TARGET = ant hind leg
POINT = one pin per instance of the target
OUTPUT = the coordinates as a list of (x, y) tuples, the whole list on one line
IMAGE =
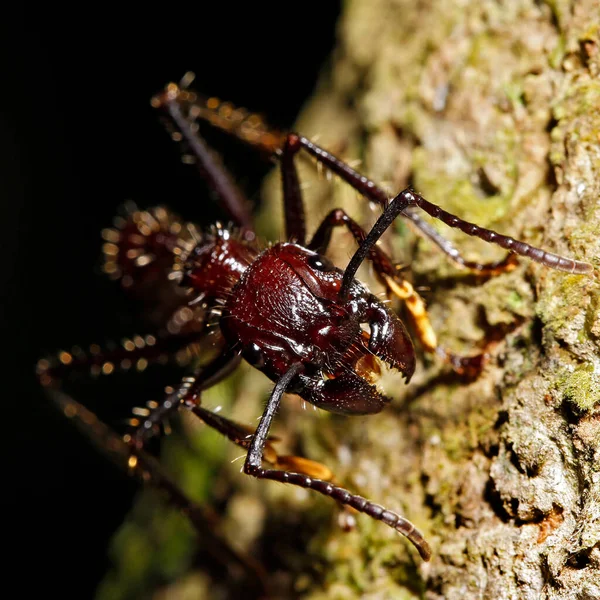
[(147, 470)]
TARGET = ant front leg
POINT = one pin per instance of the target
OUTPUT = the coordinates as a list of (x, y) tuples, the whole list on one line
[(391, 278), (187, 392), (253, 466), (241, 435)]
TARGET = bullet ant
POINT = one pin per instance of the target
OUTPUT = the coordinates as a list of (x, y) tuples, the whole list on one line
[(311, 327)]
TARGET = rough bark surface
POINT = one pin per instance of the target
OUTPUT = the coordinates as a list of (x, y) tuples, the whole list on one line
[(492, 110)]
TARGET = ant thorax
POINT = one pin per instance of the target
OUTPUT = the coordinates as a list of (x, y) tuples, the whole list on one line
[(216, 263)]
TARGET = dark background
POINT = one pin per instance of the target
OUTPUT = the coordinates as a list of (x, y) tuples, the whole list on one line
[(78, 137)]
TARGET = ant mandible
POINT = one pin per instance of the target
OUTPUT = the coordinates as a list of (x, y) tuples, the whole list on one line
[(312, 328)]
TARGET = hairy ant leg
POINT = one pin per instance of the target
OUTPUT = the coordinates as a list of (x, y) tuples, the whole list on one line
[(239, 122), (140, 352), (137, 353), (219, 178), (408, 199), (391, 278), (253, 466), (251, 129), (207, 162), (187, 393), (147, 470)]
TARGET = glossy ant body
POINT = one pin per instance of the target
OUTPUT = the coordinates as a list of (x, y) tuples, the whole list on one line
[(312, 328)]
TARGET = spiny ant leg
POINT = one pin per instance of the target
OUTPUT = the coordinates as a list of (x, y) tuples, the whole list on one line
[(411, 199), (243, 124), (185, 393), (208, 163), (253, 466), (143, 431), (295, 221), (391, 278), (148, 471), (137, 352), (219, 179), (140, 352)]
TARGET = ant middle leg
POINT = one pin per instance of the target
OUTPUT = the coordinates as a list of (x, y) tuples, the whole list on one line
[(406, 201), (186, 393), (135, 353), (138, 353)]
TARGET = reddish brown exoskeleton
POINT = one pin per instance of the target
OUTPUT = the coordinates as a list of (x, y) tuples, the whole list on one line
[(312, 328)]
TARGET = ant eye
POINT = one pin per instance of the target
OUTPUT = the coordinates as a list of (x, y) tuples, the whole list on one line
[(253, 354), (320, 263)]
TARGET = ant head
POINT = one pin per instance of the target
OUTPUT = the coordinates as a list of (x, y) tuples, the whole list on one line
[(360, 331)]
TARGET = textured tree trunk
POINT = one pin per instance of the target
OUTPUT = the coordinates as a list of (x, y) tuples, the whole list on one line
[(492, 110)]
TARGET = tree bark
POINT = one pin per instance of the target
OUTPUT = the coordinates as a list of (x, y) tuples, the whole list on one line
[(490, 109)]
